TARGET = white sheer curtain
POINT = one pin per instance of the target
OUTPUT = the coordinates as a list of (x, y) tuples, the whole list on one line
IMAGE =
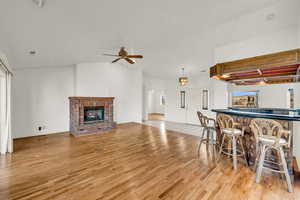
[(6, 141)]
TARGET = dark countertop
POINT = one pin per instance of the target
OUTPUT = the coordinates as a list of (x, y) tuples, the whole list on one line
[(268, 113)]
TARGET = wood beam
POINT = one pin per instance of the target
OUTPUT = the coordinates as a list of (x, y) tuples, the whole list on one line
[(259, 76), (286, 58)]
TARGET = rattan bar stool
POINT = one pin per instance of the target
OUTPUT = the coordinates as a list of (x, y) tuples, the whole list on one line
[(268, 134), (208, 131), (229, 129)]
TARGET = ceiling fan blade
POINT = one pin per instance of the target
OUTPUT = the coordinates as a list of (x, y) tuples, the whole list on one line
[(116, 60), (110, 55), (134, 56), (129, 60)]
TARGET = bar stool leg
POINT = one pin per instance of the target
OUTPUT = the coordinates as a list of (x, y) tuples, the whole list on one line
[(201, 140), (280, 165), (234, 152), (221, 147), (207, 139), (243, 150), (214, 142), (258, 153), (286, 172), (260, 163), (212, 136)]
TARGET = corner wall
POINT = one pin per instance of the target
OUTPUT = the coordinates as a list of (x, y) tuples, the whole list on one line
[(40, 98), (113, 80), (40, 95), (193, 99)]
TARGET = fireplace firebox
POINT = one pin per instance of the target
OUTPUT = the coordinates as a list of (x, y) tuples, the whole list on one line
[(91, 115)]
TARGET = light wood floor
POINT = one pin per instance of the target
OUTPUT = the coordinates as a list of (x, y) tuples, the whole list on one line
[(132, 162), (190, 129), (156, 116)]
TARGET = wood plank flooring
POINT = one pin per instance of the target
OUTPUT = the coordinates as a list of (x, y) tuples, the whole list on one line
[(190, 129), (132, 162), (156, 116)]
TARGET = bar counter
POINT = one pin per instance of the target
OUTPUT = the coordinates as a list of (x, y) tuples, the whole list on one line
[(268, 113), (244, 116)]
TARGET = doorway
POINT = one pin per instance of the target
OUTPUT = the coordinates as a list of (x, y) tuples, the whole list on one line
[(155, 104)]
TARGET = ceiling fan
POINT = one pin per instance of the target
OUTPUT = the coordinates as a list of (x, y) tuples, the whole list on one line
[(123, 54)]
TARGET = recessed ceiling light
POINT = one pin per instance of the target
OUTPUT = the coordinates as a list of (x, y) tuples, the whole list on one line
[(32, 52)]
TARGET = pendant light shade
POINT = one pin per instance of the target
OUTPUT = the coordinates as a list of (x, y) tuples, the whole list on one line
[(183, 80)]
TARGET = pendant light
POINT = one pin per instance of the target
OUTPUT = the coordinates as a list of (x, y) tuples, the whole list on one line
[(183, 80)]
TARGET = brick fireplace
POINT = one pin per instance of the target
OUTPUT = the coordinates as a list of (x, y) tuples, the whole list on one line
[(91, 114)]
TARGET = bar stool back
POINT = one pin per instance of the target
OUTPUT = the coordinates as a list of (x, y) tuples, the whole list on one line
[(230, 129), (225, 121), (268, 134), (207, 129)]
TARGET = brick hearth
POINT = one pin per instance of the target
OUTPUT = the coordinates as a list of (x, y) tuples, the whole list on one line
[(77, 125)]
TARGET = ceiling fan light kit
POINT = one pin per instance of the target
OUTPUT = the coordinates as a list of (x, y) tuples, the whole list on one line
[(123, 54)]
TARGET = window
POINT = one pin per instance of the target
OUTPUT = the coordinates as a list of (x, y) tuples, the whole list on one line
[(290, 99), (162, 100), (246, 99), (205, 99), (182, 99)]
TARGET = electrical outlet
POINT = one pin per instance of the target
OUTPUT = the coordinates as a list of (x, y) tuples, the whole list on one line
[(41, 128)]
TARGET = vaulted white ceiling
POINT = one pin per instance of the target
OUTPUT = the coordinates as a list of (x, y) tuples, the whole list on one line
[(169, 33)]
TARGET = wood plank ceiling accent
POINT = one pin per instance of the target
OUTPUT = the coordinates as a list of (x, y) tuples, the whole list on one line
[(281, 67)]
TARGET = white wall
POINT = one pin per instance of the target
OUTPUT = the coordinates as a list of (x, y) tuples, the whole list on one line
[(40, 95), (113, 80), (173, 110), (217, 97), (40, 98), (258, 24), (193, 99), (220, 94), (263, 44), (270, 96)]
